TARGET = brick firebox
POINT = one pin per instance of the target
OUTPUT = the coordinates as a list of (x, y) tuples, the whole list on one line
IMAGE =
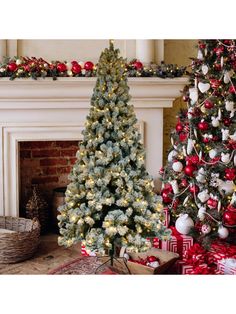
[(46, 163)]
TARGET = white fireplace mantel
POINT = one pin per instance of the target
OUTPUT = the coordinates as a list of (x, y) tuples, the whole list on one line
[(56, 110)]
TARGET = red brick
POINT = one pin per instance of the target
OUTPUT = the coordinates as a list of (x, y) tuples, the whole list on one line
[(46, 153), (25, 153), (72, 161), (68, 152), (49, 170), (67, 144), (40, 180), (53, 162), (61, 170)]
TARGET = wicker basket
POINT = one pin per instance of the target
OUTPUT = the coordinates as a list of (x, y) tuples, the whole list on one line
[(20, 244)]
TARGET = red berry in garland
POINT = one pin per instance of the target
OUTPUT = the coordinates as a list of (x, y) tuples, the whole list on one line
[(88, 66), (12, 67), (165, 193), (137, 65), (76, 68), (229, 216), (183, 136), (61, 67), (203, 126), (208, 104), (189, 170)]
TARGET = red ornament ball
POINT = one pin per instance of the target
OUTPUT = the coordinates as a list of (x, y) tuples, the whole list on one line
[(138, 65), (88, 66), (230, 173), (179, 127), (188, 170), (208, 104), (151, 259), (212, 203), (165, 193), (183, 136), (232, 89), (229, 216), (227, 121), (194, 189), (61, 67), (12, 67), (74, 62), (206, 140), (26, 68), (184, 183), (203, 126), (76, 68)]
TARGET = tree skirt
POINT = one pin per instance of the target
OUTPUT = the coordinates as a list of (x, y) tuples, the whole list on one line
[(83, 266)]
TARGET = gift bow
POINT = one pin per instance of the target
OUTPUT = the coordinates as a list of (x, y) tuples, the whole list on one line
[(195, 255)]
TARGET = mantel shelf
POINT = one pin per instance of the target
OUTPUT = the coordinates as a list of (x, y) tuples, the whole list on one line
[(66, 92)]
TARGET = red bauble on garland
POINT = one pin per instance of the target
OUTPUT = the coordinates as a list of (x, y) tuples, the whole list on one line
[(188, 170), (61, 67), (76, 68), (12, 67), (208, 104), (229, 216), (203, 126), (184, 183), (230, 174), (212, 203), (88, 66), (137, 65), (219, 50)]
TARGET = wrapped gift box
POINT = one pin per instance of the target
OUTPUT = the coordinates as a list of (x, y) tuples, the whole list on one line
[(227, 266), (179, 243)]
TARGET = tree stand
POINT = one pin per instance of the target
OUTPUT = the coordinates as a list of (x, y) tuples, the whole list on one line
[(111, 260)]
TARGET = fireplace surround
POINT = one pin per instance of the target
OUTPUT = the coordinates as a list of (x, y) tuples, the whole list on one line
[(47, 110)]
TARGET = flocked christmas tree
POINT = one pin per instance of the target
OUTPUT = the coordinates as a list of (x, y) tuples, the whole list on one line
[(110, 199), (200, 176)]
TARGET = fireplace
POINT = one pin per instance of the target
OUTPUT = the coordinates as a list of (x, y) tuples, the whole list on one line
[(47, 110)]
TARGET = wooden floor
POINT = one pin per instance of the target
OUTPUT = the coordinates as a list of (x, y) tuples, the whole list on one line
[(48, 256)]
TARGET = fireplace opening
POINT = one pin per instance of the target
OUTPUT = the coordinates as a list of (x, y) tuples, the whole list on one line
[(45, 165)]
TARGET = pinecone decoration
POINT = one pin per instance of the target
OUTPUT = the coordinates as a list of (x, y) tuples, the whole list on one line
[(38, 207)]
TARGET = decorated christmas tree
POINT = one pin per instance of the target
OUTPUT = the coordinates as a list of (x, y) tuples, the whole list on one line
[(110, 199), (199, 179)]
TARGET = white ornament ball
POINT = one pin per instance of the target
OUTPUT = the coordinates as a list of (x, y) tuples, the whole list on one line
[(177, 166), (206, 229), (184, 223), (212, 153), (229, 105), (223, 232)]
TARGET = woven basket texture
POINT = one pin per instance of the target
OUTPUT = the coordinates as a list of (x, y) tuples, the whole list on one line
[(22, 243)]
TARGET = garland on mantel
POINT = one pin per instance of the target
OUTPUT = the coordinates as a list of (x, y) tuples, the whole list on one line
[(24, 67)]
